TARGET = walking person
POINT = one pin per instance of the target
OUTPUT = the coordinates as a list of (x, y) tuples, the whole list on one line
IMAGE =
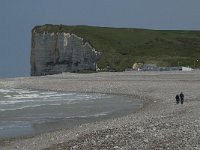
[(177, 99), (182, 97)]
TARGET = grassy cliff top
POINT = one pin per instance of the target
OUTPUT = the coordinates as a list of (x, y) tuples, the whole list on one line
[(121, 47)]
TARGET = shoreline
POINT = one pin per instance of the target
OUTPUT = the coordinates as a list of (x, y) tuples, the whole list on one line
[(159, 124), (102, 107)]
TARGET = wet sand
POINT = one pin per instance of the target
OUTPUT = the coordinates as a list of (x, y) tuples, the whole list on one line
[(160, 124)]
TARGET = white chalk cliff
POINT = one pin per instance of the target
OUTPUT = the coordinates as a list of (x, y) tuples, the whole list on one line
[(53, 53)]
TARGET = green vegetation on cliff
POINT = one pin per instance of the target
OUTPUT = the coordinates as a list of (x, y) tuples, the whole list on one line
[(121, 47)]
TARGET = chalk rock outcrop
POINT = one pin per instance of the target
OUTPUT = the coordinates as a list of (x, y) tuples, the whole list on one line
[(53, 53)]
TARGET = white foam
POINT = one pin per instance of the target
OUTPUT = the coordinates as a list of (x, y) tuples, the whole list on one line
[(7, 96), (9, 102), (35, 99), (101, 114), (28, 94), (25, 96), (22, 107), (49, 93), (30, 102), (5, 91), (26, 91), (39, 95), (86, 116)]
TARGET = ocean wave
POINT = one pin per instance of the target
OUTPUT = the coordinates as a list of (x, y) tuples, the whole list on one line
[(5, 91), (38, 96), (46, 101), (11, 90), (7, 96), (45, 119), (13, 124), (35, 105), (86, 116), (19, 108), (19, 94), (10, 126)]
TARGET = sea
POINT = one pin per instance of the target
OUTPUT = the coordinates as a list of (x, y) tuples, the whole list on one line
[(29, 112)]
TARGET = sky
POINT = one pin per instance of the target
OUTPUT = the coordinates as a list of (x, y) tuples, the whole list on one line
[(18, 17)]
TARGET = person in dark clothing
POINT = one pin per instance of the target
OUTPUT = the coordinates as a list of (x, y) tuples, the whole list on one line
[(182, 97), (177, 99)]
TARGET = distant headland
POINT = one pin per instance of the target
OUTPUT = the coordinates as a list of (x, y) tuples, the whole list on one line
[(60, 48)]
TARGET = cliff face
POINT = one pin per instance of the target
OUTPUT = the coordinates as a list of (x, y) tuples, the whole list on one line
[(53, 53)]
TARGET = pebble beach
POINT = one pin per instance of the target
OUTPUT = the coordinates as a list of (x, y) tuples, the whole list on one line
[(159, 124)]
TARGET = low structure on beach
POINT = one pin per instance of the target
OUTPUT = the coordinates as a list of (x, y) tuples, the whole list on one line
[(186, 69), (154, 67), (149, 67), (181, 68)]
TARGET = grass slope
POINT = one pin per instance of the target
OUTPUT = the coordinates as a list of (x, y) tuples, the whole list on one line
[(121, 47)]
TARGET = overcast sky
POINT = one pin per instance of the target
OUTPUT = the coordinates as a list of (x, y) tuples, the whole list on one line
[(18, 17)]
